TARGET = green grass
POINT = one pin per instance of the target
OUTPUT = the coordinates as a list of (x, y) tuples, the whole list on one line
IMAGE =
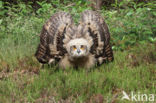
[(111, 79), (134, 68)]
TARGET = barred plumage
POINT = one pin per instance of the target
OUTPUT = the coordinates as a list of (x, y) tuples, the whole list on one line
[(51, 37), (98, 30), (59, 38)]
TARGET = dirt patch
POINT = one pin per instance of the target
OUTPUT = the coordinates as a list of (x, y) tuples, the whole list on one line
[(143, 54), (96, 98), (29, 64)]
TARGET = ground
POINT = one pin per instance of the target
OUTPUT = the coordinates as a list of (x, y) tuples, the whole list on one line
[(131, 70)]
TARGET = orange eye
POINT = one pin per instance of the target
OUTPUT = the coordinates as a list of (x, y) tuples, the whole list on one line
[(82, 47), (74, 47)]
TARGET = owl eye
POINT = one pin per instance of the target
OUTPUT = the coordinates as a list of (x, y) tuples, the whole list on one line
[(74, 47), (82, 47)]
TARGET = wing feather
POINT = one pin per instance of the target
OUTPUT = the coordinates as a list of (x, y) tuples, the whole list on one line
[(92, 22), (51, 37)]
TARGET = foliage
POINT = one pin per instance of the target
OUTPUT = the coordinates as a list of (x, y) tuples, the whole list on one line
[(135, 27)]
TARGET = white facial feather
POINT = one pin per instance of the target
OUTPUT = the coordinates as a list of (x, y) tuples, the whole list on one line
[(75, 50)]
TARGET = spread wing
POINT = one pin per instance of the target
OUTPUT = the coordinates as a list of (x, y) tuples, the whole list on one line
[(92, 26), (51, 38)]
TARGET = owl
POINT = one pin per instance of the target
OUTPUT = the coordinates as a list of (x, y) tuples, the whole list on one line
[(85, 45)]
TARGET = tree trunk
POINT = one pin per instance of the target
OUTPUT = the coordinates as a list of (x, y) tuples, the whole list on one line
[(96, 4)]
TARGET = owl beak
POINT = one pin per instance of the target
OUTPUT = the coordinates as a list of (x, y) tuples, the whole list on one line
[(78, 51)]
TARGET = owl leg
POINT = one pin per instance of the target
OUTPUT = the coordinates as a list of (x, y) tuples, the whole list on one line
[(51, 61), (65, 63), (101, 60)]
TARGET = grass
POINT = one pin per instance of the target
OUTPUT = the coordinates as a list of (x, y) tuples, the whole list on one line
[(26, 84), (134, 68)]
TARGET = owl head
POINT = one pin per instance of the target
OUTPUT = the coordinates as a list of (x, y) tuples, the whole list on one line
[(78, 48)]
